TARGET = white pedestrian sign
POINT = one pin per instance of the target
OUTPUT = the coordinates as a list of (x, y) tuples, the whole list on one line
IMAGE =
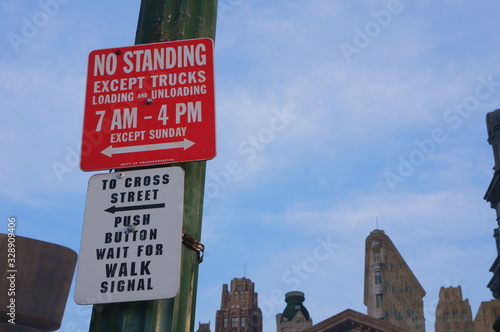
[(132, 235)]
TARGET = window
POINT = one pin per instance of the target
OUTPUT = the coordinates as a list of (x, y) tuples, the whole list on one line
[(467, 329), (242, 321), (378, 277), (234, 321), (225, 322), (465, 316), (455, 317), (376, 256), (457, 329), (448, 329), (379, 299), (446, 317)]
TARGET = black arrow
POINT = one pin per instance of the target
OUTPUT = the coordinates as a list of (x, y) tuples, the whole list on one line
[(114, 209)]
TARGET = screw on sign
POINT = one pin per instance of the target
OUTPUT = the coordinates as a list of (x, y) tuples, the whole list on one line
[(149, 104)]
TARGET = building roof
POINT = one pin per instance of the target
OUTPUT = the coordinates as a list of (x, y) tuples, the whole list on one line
[(350, 319), (294, 302)]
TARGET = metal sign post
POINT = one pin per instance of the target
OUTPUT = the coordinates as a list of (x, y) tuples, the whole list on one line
[(169, 20)]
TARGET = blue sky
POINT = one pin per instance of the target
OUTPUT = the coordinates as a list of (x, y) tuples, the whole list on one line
[(330, 115)]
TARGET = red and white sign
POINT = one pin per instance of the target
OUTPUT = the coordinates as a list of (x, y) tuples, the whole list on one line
[(149, 104)]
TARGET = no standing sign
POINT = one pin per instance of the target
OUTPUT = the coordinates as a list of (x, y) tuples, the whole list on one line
[(149, 104)]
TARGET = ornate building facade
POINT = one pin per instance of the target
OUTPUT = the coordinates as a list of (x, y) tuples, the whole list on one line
[(493, 197), (392, 292), (452, 312), (295, 317), (239, 310)]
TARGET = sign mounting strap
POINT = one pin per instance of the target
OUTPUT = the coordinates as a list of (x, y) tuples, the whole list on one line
[(190, 242)]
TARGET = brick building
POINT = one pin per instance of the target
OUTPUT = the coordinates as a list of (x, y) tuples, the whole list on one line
[(239, 310), (453, 313)]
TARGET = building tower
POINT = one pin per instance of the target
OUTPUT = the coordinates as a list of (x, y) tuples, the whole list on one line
[(239, 311), (392, 292), (203, 327), (452, 312), (295, 317)]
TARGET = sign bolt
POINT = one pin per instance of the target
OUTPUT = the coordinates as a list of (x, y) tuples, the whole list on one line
[(149, 101), (121, 175)]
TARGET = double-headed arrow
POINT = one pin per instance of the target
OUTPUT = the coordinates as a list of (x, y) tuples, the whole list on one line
[(114, 209), (110, 150)]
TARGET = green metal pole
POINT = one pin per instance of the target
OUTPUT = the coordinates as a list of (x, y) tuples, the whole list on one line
[(168, 20)]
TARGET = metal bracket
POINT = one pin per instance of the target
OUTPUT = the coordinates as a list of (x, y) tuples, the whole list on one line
[(190, 242)]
